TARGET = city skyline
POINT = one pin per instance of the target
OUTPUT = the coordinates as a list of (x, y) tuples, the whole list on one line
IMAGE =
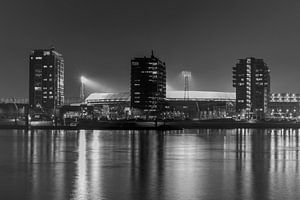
[(204, 37)]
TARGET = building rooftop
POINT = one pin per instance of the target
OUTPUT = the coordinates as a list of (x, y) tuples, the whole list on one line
[(202, 95), (101, 97), (171, 95)]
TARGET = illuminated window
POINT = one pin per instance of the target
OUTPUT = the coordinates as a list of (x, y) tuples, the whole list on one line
[(38, 58), (134, 63)]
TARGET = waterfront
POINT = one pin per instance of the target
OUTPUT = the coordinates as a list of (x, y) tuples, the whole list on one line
[(183, 164)]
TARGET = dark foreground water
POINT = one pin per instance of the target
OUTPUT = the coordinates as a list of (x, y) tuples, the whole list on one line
[(173, 165)]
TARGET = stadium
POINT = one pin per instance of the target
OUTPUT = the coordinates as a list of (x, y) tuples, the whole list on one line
[(198, 105)]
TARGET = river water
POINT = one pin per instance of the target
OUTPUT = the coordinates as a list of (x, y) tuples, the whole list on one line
[(129, 165)]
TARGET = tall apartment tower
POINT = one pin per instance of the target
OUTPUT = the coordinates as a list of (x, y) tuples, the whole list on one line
[(251, 78), (148, 85), (46, 80)]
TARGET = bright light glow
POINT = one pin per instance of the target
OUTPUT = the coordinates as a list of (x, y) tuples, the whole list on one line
[(83, 79), (186, 74), (91, 85), (169, 87)]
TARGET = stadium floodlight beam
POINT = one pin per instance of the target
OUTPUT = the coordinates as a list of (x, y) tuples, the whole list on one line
[(83, 79), (82, 88), (186, 75)]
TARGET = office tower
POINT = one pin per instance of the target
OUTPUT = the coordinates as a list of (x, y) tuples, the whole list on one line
[(46, 80), (251, 78), (148, 85)]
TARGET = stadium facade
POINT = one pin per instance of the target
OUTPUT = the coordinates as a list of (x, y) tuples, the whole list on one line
[(201, 105)]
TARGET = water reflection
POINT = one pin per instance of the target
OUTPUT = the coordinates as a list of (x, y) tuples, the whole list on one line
[(189, 164)]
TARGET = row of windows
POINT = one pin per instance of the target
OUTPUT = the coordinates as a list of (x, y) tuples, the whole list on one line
[(50, 97), (45, 66), (287, 110), (45, 79), (258, 75), (47, 88), (45, 92), (286, 95), (285, 98), (38, 88), (152, 63), (149, 72)]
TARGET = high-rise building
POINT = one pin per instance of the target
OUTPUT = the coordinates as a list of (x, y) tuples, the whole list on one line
[(251, 78), (46, 80), (148, 85)]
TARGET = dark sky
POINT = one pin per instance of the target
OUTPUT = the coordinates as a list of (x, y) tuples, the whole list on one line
[(99, 38)]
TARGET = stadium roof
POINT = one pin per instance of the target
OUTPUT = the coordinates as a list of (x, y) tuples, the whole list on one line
[(201, 95), (100, 97), (171, 95)]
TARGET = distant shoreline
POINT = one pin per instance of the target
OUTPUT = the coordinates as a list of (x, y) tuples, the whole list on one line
[(151, 125)]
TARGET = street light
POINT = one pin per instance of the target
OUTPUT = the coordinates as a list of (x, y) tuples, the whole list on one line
[(82, 89), (83, 79), (186, 75)]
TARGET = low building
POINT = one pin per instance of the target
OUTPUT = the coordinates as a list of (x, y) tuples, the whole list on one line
[(74, 113), (200, 105), (284, 105)]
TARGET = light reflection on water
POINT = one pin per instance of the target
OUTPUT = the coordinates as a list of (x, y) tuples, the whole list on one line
[(189, 164)]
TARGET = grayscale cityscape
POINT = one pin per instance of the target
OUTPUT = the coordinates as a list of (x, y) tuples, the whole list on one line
[(150, 103), (149, 100)]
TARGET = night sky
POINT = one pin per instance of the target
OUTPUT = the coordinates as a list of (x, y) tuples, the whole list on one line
[(99, 38)]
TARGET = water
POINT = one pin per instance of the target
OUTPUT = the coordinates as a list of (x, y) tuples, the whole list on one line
[(172, 165)]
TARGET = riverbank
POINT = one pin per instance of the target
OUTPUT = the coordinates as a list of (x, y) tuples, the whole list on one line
[(150, 125)]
